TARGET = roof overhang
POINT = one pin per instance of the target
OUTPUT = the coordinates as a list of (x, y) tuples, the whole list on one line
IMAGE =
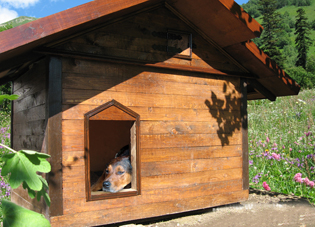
[(223, 22)]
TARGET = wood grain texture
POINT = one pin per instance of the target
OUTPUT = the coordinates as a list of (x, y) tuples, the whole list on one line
[(54, 134), (147, 210), (189, 153), (75, 200), (145, 41), (29, 123), (155, 113)]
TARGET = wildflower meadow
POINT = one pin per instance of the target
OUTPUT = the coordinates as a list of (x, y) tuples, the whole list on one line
[(282, 144), (5, 132)]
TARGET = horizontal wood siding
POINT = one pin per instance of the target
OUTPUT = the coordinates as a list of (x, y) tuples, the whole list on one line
[(29, 122), (190, 142)]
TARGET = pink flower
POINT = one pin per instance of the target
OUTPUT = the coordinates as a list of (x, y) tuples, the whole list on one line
[(290, 149), (276, 156), (299, 180), (306, 181), (267, 140), (298, 177), (266, 186), (311, 184)]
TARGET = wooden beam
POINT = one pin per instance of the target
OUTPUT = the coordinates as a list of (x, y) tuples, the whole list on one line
[(120, 60), (53, 136), (264, 91)]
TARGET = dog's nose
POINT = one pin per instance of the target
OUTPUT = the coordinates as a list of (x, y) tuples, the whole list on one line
[(106, 184)]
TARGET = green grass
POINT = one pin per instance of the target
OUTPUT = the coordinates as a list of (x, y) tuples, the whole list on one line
[(284, 127)]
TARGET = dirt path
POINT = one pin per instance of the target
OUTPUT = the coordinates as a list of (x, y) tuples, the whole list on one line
[(262, 209)]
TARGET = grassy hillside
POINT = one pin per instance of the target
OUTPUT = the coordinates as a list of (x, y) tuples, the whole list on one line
[(18, 21)]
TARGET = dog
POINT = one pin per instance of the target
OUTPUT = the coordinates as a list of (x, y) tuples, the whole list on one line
[(117, 173)]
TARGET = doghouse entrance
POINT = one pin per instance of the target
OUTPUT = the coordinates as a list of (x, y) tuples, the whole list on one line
[(108, 129)]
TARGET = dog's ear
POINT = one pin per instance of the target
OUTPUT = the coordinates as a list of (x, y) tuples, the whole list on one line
[(125, 151)]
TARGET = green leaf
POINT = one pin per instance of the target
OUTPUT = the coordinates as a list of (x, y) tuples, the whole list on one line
[(10, 97), (31, 193), (39, 154), (16, 216), (9, 160), (21, 169), (43, 192), (40, 163)]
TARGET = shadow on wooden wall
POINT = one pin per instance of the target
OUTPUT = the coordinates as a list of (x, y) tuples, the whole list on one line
[(227, 114)]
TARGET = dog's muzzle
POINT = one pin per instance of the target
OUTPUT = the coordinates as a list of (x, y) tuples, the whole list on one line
[(106, 186)]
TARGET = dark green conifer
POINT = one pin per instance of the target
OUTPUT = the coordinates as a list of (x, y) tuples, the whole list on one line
[(302, 40), (271, 23)]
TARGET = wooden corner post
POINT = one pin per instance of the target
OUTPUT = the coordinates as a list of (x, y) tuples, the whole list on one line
[(244, 120)]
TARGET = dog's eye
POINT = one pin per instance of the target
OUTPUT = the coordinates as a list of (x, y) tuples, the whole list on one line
[(107, 171), (120, 172)]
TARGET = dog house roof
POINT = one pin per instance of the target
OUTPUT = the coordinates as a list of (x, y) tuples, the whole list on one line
[(223, 22)]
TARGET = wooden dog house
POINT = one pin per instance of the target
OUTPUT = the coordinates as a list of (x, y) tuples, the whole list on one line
[(171, 78)]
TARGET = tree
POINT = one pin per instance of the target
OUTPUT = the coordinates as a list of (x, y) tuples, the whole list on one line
[(302, 40), (271, 23)]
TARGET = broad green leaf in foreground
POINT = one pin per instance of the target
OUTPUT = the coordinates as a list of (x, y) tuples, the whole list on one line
[(16, 216), (21, 169), (23, 166)]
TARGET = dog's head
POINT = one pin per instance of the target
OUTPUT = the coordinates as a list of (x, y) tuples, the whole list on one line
[(117, 174)]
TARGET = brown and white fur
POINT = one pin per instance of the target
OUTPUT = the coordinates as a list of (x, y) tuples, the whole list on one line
[(117, 174)]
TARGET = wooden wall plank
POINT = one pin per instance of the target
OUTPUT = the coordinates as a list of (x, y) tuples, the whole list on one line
[(156, 83), (109, 73), (147, 210), (31, 99), (190, 140), (32, 114), (29, 142), (158, 114), (91, 97), (30, 128), (76, 158), (187, 153), (191, 166), (76, 174), (169, 127), (75, 199), (76, 143), (185, 179), (75, 127)]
